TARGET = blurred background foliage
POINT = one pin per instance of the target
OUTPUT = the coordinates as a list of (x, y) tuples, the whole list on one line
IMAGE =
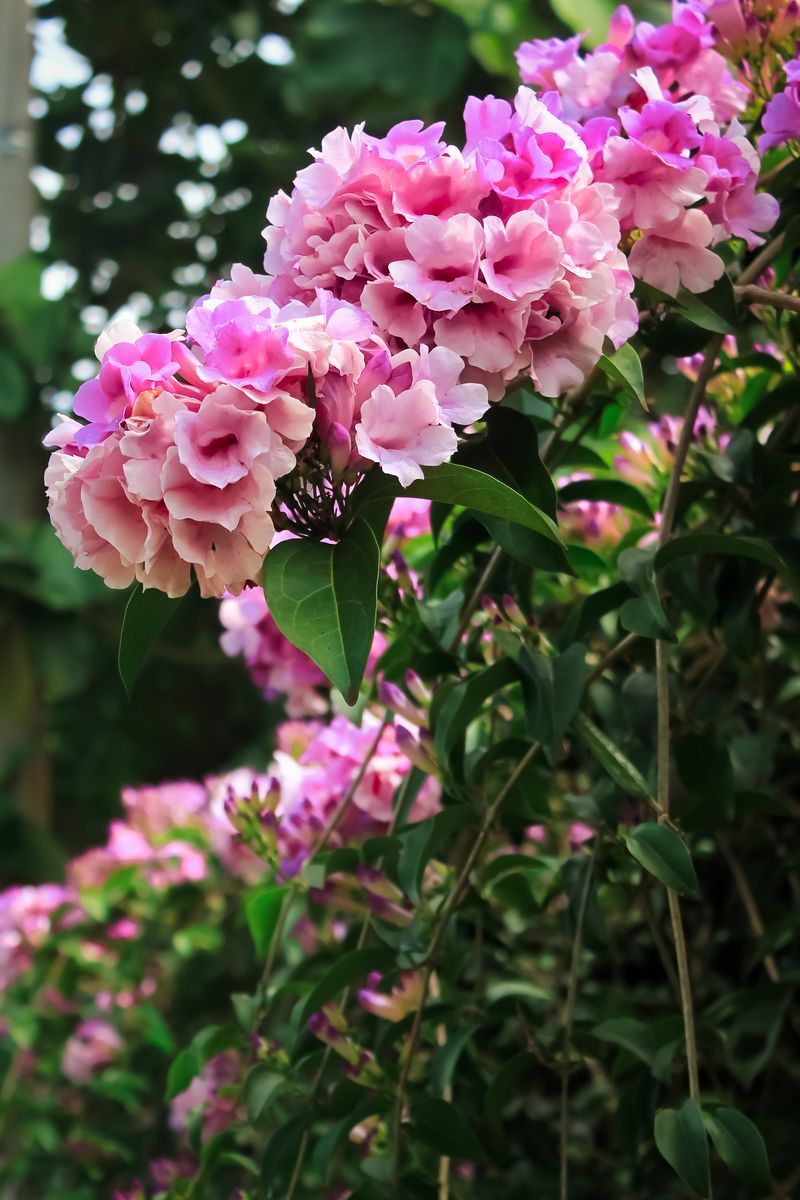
[(139, 156)]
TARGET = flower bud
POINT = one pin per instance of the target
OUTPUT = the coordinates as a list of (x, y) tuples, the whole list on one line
[(394, 697), (339, 447), (418, 689), (419, 752)]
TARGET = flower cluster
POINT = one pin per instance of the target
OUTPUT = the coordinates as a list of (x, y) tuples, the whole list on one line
[(657, 108), (284, 813), (504, 251), (185, 440), (100, 957)]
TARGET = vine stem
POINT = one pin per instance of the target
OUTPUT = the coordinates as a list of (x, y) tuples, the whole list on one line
[(668, 512), (442, 921), (569, 1016)]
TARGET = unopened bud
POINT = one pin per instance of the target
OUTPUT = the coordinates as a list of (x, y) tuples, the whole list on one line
[(394, 697), (339, 447), (514, 613), (418, 750), (418, 689)]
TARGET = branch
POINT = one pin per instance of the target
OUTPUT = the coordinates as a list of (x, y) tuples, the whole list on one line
[(750, 293)]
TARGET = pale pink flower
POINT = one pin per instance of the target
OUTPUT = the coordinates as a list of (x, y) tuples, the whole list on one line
[(677, 255), (442, 270), (404, 432)]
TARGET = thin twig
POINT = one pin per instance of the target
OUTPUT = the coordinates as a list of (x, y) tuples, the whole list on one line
[(760, 263), (440, 927), (750, 293), (749, 903), (475, 598), (681, 957), (614, 653), (569, 1015)]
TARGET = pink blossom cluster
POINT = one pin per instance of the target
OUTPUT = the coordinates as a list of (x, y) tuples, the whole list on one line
[(657, 106), (170, 832), (504, 252), (185, 438), (28, 918), (312, 771)]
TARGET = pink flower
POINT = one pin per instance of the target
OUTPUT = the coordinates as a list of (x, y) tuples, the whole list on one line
[(651, 192), (220, 442), (410, 143), (781, 120), (404, 432), (677, 256), (522, 257), (127, 370), (443, 267), (92, 1047), (239, 346), (409, 518)]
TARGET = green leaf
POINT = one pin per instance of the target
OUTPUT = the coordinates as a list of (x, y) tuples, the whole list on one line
[(663, 853), (346, 970), (631, 1035), (260, 1088), (147, 614), (282, 1150), (739, 1145), (625, 367), (191, 1060), (643, 614), (262, 910), (695, 544), (681, 1139), (611, 758), (554, 690), (324, 600), (613, 491), (440, 1125), (714, 309), (483, 494), (704, 767), (466, 701), (510, 452)]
